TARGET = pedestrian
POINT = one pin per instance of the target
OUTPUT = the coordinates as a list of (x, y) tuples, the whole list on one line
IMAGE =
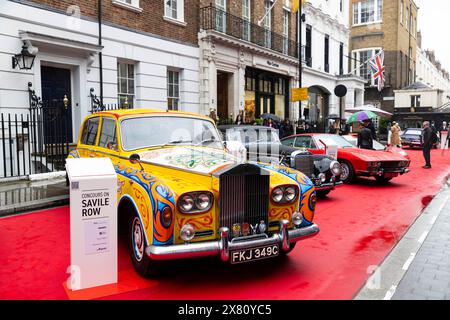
[(427, 143), (373, 131), (270, 123), (240, 118), (395, 135), (365, 139), (308, 128)]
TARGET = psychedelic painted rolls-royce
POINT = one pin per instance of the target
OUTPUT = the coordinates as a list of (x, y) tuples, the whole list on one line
[(181, 195)]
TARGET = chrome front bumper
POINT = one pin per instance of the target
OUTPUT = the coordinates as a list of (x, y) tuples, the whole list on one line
[(224, 246)]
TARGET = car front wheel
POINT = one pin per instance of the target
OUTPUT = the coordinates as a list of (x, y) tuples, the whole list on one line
[(137, 244), (348, 174)]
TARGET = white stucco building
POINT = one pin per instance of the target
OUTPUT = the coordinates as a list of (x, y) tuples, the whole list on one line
[(255, 67), (429, 74)]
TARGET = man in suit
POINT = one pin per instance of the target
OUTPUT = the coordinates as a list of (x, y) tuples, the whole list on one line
[(365, 138), (427, 143)]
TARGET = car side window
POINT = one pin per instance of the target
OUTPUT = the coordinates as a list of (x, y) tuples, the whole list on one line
[(304, 142), (108, 136), (90, 131), (289, 142)]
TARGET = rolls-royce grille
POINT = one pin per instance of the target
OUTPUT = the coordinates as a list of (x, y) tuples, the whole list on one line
[(305, 164), (244, 199)]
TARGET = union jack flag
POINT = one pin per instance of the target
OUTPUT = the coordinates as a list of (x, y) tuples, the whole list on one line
[(377, 66)]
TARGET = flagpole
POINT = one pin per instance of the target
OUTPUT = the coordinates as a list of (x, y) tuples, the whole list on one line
[(267, 13)]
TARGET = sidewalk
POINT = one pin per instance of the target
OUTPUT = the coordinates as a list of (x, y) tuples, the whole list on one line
[(22, 196), (418, 268)]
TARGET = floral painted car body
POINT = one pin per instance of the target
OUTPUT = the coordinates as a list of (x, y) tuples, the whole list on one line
[(181, 195)]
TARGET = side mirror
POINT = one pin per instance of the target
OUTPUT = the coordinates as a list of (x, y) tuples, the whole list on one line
[(135, 158)]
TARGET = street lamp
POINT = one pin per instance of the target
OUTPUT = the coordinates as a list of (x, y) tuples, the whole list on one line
[(24, 59)]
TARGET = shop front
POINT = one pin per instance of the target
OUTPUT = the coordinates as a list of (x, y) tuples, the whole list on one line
[(265, 92), (316, 111)]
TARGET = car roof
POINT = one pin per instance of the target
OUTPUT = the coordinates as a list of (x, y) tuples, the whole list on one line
[(243, 127), (142, 112)]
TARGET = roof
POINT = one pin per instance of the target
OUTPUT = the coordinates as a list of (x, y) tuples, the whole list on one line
[(130, 112), (243, 127), (417, 86)]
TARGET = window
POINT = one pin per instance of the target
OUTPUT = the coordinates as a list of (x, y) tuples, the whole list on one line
[(108, 138), (304, 142), (90, 131), (407, 19), (341, 58), (341, 5), (367, 11), (125, 84), (246, 16), (308, 46), (327, 54), (415, 101), (268, 24), (402, 6), (221, 6), (128, 4), (285, 32), (361, 58), (174, 9), (173, 89)]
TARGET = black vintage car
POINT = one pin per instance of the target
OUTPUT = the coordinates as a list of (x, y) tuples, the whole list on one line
[(263, 145), (412, 138)]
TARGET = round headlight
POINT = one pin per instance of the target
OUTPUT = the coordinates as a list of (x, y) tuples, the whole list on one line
[(322, 177), (186, 203), (297, 219), (335, 168), (290, 193), (277, 195), (187, 232), (202, 201)]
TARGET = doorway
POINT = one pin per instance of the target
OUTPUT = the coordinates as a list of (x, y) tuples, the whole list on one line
[(56, 110), (222, 96)]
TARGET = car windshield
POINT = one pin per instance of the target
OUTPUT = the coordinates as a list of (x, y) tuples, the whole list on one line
[(253, 135), (330, 139), (147, 132), (376, 145), (413, 132)]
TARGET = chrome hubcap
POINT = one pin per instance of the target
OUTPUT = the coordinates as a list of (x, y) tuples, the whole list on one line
[(345, 171), (138, 239)]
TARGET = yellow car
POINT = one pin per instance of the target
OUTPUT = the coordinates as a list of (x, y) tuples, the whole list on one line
[(182, 195)]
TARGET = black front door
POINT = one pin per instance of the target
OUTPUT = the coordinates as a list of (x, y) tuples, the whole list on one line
[(56, 113)]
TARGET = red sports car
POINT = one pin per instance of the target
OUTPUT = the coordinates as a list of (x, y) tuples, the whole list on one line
[(382, 165)]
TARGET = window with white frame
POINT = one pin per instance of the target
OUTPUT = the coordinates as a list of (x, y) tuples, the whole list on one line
[(361, 59), (407, 19), (173, 89), (402, 6), (285, 32), (174, 9), (246, 14), (125, 84), (221, 22), (367, 11)]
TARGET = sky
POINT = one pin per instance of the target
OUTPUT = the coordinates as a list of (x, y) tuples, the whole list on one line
[(433, 21)]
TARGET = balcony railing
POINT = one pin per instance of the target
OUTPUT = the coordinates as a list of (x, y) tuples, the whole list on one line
[(212, 18)]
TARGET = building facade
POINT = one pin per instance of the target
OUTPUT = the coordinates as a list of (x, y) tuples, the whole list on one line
[(148, 57), (430, 71), (249, 59), (390, 26)]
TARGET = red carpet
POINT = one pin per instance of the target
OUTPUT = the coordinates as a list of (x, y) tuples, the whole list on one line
[(359, 224)]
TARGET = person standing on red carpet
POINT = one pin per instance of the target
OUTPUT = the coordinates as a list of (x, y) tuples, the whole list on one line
[(427, 142)]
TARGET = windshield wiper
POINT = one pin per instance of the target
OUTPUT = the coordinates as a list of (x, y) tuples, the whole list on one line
[(175, 142)]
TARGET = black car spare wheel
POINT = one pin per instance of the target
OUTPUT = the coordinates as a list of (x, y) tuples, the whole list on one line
[(348, 174), (137, 244)]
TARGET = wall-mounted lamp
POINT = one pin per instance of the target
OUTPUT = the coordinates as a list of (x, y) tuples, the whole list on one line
[(24, 59)]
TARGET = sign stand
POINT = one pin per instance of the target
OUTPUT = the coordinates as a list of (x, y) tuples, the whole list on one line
[(93, 222)]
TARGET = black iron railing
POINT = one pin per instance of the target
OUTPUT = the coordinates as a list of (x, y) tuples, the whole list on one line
[(97, 106), (212, 18)]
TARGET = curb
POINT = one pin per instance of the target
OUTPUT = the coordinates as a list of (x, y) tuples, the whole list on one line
[(16, 209)]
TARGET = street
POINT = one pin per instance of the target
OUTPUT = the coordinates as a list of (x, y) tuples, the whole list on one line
[(360, 225)]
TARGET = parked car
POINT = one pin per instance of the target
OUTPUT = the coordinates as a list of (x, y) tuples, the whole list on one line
[(412, 138), (181, 195), (382, 165), (353, 139), (263, 145)]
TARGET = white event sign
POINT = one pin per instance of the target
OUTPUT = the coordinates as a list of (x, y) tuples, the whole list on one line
[(93, 222)]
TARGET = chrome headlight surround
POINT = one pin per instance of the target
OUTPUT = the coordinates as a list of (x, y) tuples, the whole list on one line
[(284, 194), (195, 202), (312, 201), (335, 168), (187, 232)]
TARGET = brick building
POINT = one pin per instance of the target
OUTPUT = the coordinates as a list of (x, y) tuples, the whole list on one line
[(390, 26)]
